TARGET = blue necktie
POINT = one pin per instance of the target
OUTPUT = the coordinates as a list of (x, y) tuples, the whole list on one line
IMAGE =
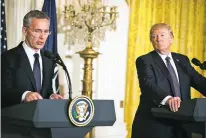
[(37, 72), (174, 78)]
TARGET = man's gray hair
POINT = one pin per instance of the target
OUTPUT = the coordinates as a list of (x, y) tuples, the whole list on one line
[(34, 14)]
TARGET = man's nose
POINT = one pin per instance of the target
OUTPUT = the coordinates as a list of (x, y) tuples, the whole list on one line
[(158, 38), (42, 36)]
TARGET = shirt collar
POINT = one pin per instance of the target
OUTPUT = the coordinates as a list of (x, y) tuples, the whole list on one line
[(29, 50), (164, 56)]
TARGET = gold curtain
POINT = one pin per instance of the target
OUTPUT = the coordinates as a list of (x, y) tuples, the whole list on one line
[(188, 21)]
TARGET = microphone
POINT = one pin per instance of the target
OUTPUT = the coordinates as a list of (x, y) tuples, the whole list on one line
[(198, 63), (49, 55), (204, 65), (57, 59)]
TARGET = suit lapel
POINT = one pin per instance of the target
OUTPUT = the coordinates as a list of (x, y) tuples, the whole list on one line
[(157, 59), (25, 64)]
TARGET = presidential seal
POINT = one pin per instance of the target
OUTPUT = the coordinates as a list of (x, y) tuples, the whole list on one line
[(81, 110)]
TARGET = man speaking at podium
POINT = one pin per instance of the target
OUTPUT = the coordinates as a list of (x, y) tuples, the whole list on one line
[(165, 78), (26, 73)]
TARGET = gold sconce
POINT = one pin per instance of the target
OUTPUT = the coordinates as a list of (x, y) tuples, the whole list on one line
[(85, 23)]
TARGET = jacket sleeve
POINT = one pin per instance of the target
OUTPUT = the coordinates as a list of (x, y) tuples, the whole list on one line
[(9, 94)]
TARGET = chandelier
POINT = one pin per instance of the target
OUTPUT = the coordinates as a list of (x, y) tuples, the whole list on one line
[(87, 21)]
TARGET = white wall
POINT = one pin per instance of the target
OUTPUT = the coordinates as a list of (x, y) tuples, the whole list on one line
[(15, 11), (109, 73)]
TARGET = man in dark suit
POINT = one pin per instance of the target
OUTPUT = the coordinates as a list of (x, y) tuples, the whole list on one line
[(165, 78), (26, 73)]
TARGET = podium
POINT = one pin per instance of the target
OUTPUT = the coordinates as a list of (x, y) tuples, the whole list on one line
[(191, 115), (49, 119)]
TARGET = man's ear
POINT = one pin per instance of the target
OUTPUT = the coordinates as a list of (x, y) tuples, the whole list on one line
[(171, 39), (24, 31)]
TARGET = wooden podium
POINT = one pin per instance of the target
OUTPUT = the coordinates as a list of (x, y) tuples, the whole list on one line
[(49, 119)]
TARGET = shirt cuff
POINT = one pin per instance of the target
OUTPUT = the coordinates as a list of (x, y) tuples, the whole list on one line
[(51, 96), (24, 95), (163, 102)]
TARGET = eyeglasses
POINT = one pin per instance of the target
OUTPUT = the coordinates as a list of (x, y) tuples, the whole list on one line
[(38, 32)]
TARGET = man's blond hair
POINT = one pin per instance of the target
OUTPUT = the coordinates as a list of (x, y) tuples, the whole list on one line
[(161, 25)]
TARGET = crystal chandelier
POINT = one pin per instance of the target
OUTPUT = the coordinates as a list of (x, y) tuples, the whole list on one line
[(87, 21)]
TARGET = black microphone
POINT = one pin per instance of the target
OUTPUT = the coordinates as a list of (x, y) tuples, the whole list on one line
[(204, 65), (198, 63), (57, 59), (49, 55)]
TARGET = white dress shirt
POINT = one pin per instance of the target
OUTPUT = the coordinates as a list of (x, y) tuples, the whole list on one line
[(163, 102), (30, 54)]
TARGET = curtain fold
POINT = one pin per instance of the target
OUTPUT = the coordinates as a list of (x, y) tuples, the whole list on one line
[(188, 21)]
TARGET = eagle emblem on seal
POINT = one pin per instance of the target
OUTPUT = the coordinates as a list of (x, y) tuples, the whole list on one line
[(81, 110)]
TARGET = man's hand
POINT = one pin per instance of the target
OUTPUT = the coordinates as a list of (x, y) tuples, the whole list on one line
[(174, 103), (31, 96), (56, 96)]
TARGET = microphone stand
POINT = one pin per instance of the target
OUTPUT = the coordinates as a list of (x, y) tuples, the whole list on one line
[(59, 61)]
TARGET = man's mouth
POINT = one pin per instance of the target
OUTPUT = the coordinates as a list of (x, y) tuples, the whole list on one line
[(40, 43)]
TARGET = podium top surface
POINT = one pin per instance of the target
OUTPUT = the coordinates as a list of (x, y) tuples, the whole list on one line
[(48, 113), (193, 110)]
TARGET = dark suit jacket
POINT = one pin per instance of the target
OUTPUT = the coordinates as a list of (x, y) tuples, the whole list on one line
[(155, 84), (17, 76)]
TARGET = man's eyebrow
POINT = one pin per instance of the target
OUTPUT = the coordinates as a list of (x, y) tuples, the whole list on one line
[(159, 33), (41, 29)]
